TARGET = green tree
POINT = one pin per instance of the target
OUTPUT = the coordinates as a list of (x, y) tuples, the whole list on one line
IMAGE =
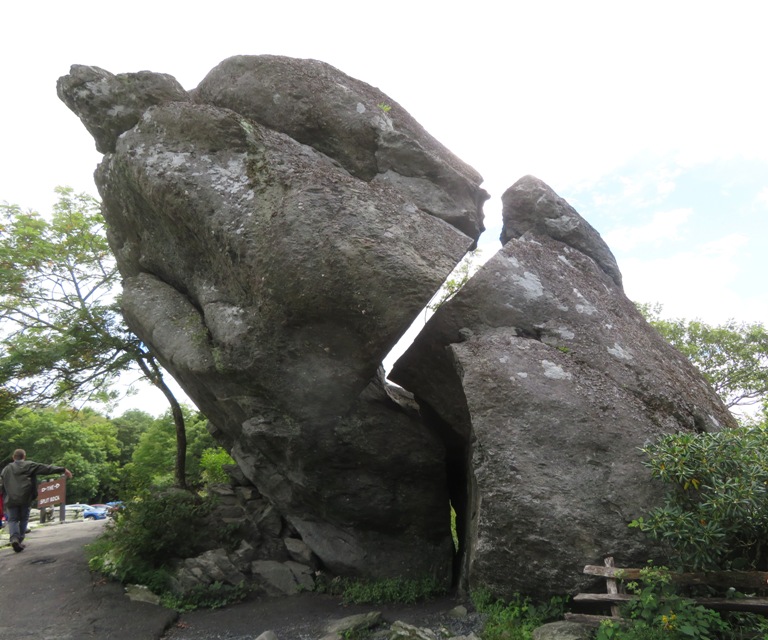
[(130, 426), (156, 449), (733, 356), (62, 337), (83, 441)]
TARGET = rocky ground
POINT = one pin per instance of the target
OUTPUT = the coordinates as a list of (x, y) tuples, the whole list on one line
[(312, 617)]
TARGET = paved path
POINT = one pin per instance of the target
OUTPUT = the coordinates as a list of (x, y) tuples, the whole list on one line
[(48, 593)]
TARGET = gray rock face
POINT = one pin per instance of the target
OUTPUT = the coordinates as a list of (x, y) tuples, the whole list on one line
[(357, 125), (282, 578), (293, 275), (563, 630), (548, 381), (367, 471), (357, 622), (529, 205), (271, 277), (207, 568), (109, 104)]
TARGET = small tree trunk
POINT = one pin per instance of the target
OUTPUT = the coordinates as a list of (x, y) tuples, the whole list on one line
[(156, 377), (181, 436)]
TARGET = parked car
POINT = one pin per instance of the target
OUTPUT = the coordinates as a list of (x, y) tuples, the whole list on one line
[(113, 507), (75, 507), (94, 512)]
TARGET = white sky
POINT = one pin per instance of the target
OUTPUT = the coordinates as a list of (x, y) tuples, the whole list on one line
[(648, 117)]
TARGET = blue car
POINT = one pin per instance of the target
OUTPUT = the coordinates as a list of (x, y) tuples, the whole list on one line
[(94, 513)]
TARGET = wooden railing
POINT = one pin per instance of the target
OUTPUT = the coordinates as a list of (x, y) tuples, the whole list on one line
[(739, 580)]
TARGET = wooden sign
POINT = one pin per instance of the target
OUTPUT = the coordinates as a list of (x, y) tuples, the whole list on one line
[(52, 493)]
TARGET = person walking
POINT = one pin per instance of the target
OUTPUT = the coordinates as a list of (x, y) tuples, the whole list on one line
[(17, 483)]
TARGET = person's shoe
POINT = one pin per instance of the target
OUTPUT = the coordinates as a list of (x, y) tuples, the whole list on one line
[(17, 546)]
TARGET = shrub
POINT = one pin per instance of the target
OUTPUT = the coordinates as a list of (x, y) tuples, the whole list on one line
[(659, 612), (148, 534), (104, 558), (212, 462), (715, 514)]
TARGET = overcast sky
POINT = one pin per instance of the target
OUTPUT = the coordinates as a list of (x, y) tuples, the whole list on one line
[(648, 117)]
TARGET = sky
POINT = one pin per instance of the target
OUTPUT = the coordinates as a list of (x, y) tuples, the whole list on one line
[(648, 117)]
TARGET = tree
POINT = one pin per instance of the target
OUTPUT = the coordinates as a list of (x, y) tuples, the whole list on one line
[(733, 356), (155, 450), (83, 441), (130, 426), (62, 337)]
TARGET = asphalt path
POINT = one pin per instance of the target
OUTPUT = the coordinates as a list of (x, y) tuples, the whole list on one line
[(48, 593)]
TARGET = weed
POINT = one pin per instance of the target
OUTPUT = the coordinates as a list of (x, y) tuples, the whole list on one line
[(658, 611), (213, 596), (516, 619), (357, 634)]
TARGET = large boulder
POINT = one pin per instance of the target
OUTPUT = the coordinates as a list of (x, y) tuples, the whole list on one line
[(279, 227), (270, 271), (378, 479), (529, 205), (357, 125), (108, 104), (548, 381)]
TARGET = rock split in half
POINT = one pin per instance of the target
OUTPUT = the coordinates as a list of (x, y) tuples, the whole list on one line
[(278, 229)]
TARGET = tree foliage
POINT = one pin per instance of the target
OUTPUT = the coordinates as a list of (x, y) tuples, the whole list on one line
[(212, 463), (112, 458), (129, 427), (62, 336), (733, 356), (62, 333)]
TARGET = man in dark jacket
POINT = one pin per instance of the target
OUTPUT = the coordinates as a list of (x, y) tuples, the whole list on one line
[(17, 483)]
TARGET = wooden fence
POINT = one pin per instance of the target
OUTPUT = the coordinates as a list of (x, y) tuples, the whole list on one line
[(615, 595)]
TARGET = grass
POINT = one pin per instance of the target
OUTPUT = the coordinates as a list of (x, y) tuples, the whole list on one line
[(516, 619)]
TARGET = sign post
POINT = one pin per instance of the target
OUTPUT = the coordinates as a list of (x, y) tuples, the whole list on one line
[(51, 494)]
